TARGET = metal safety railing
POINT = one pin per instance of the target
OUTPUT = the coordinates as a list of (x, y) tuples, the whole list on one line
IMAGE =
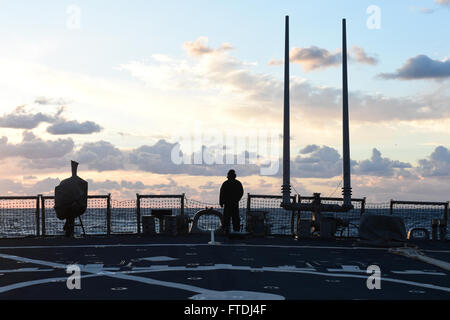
[(420, 214), (146, 203), (19, 216), (35, 215), (96, 219)]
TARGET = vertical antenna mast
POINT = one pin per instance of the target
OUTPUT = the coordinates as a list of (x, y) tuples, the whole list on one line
[(286, 188), (347, 189)]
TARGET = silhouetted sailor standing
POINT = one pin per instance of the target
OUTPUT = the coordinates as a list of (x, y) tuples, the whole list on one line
[(231, 193)]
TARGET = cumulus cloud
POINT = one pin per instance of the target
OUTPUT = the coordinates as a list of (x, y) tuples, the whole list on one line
[(437, 164), (318, 162), (443, 2), (209, 186), (158, 159), (199, 47), (35, 148), (379, 166), (309, 149), (314, 58), (312, 161), (217, 73), (20, 118), (51, 101), (361, 56), (421, 67), (100, 156), (45, 187), (326, 162), (118, 189), (274, 62), (63, 127), (259, 94)]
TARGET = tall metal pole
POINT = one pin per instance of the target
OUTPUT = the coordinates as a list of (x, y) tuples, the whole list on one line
[(347, 189), (286, 188)]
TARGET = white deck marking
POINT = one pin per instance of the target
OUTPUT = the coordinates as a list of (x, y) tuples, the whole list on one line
[(418, 255), (158, 259), (25, 284), (206, 292), (346, 268), (96, 246), (201, 291), (193, 245), (420, 272), (26, 270)]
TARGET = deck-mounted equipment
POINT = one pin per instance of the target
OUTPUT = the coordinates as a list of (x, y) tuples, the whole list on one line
[(316, 206)]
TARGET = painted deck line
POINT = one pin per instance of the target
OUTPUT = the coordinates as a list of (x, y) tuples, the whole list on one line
[(189, 245), (175, 285), (26, 270), (291, 270), (141, 245), (198, 290), (31, 283)]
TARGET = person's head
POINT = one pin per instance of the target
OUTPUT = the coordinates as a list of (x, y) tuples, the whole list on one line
[(231, 175)]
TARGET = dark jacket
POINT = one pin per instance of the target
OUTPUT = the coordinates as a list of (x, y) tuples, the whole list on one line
[(231, 192)]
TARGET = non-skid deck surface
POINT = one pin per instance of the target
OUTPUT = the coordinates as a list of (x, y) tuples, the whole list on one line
[(189, 268)]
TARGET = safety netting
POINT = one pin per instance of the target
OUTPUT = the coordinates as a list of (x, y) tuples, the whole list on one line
[(423, 215), (35, 216), (350, 218), (19, 217), (94, 220), (159, 206), (123, 217), (278, 221)]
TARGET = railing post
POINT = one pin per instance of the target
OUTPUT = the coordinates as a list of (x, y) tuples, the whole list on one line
[(391, 207), (43, 215), (138, 213), (446, 212), (363, 206), (108, 214), (446, 219), (293, 218), (182, 204), (38, 223), (247, 212)]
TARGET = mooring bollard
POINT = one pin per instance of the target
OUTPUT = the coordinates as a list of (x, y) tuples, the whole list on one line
[(212, 237), (213, 242)]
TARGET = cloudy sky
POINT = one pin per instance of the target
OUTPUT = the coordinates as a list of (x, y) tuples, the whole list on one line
[(119, 85)]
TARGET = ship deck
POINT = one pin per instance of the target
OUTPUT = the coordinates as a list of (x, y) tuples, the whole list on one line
[(187, 267)]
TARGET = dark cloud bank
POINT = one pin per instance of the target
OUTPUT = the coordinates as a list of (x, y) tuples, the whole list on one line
[(421, 67), (312, 161), (22, 119)]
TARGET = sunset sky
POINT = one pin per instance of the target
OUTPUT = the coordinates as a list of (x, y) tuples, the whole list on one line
[(116, 85)]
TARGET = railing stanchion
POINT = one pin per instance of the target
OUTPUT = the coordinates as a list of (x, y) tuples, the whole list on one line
[(183, 196), (363, 206), (108, 214), (247, 212), (138, 212), (293, 218), (43, 215), (38, 223)]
